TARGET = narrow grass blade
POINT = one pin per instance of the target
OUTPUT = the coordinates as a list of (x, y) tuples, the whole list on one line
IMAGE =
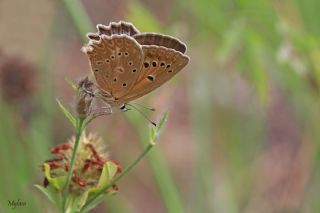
[(67, 114)]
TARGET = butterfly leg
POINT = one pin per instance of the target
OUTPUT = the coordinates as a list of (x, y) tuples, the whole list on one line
[(106, 110), (98, 114), (101, 111)]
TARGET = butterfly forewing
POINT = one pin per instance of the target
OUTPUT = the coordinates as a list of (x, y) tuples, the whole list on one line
[(116, 63), (160, 64), (117, 28)]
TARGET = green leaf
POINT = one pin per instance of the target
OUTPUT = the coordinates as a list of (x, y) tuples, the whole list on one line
[(83, 200), (72, 203), (51, 194), (67, 113), (93, 204), (162, 122), (108, 172), (72, 84), (156, 131), (152, 135), (57, 182)]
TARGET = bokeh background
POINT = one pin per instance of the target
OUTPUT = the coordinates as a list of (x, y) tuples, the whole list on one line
[(243, 130)]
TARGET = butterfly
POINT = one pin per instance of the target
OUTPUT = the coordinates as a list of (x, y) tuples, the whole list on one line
[(127, 64)]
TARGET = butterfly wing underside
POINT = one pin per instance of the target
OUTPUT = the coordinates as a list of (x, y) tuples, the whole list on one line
[(113, 28), (160, 65), (119, 28), (160, 40), (116, 62), (128, 64)]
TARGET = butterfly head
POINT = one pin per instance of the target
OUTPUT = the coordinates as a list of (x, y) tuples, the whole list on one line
[(85, 86)]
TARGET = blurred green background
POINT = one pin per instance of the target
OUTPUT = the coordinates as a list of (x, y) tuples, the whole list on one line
[(243, 131)]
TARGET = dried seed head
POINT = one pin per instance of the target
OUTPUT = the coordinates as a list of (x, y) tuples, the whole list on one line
[(90, 160)]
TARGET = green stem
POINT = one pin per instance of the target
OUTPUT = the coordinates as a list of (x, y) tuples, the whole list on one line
[(161, 173), (117, 178), (79, 17), (79, 129), (164, 181)]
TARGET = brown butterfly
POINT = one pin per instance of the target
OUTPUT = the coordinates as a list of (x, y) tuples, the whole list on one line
[(128, 64)]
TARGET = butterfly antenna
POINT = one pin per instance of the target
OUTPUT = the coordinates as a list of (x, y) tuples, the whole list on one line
[(148, 108), (148, 119)]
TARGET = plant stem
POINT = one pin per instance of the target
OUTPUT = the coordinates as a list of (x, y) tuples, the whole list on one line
[(79, 17), (117, 178), (168, 190), (79, 129)]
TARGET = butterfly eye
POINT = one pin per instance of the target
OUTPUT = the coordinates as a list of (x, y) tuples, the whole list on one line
[(146, 64), (124, 85), (115, 79), (168, 66), (126, 53), (112, 57), (162, 64), (130, 63), (150, 77), (107, 60), (170, 71), (154, 64), (134, 70), (119, 54), (96, 70)]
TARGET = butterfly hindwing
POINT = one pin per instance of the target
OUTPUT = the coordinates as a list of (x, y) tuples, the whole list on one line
[(115, 62), (160, 40), (159, 65)]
